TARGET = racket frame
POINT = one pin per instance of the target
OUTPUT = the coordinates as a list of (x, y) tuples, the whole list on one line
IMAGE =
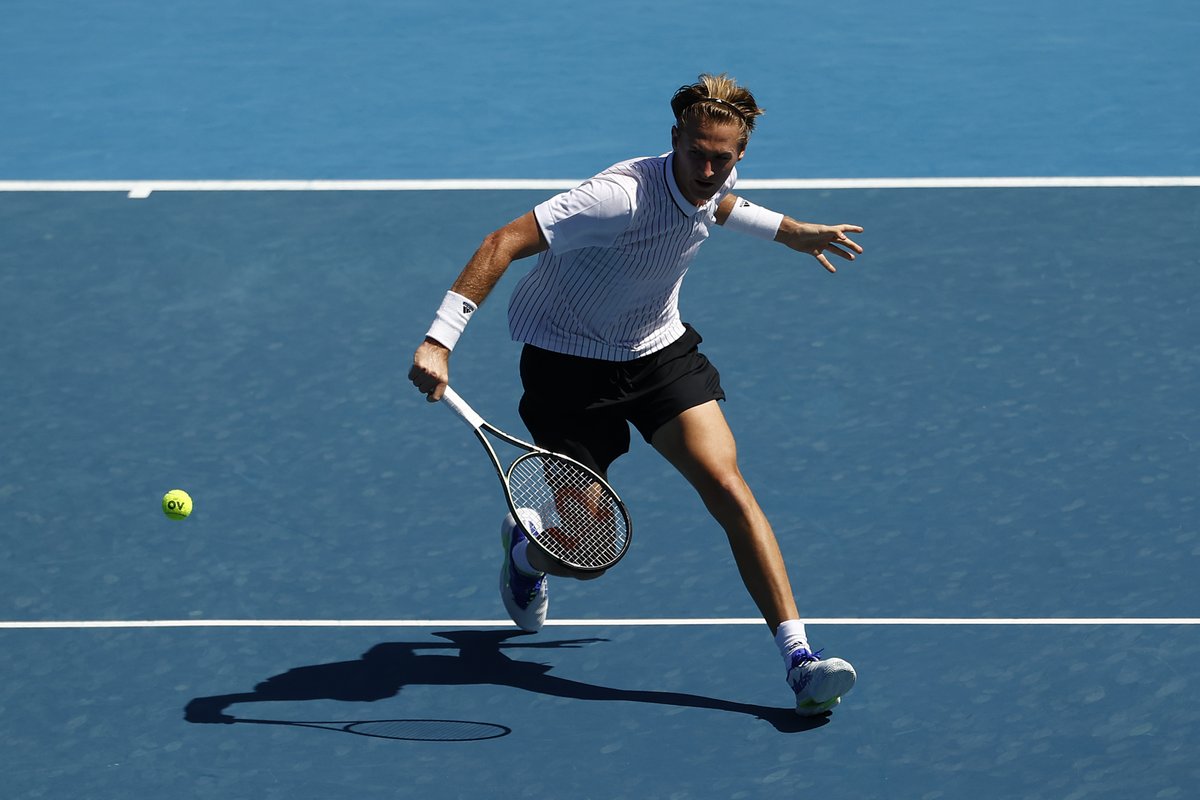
[(480, 426)]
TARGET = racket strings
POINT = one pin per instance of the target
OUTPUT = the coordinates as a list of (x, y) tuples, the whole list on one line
[(584, 523)]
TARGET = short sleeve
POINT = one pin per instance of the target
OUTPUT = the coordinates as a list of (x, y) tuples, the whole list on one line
[(592, 214)]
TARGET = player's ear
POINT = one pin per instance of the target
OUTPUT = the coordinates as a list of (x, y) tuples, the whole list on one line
[(674, 136)]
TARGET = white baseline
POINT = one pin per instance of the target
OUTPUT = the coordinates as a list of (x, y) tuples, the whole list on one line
[(575, 623), (141, 189)]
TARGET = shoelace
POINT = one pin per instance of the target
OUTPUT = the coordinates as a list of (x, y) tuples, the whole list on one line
[(805, 656), (801, 679)]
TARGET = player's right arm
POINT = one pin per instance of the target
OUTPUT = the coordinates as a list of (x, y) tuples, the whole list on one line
[(518, 239)]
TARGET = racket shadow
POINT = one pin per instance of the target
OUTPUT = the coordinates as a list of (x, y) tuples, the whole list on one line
[(407, 730), (467, 657)]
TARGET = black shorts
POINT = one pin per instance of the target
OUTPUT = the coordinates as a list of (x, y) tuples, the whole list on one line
[(582, 407)]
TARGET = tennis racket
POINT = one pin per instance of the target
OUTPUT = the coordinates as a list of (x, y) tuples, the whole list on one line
[(585, 525)]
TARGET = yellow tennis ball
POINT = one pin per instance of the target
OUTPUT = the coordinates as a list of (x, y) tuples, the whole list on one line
[(177, 504)]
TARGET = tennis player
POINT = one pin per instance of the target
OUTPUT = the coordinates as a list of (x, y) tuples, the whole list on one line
[(604, 346)]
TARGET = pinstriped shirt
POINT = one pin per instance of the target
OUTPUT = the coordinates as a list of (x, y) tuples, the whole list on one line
[(620, 244)]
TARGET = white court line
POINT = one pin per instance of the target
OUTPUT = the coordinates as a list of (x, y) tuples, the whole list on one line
[(141, 189), (575, 623)]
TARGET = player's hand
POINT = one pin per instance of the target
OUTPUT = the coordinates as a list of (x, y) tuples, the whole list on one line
[(817, 240), (430, 371)]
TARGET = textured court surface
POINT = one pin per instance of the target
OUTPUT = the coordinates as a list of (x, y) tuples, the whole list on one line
[(1047, 714), (956, 431)]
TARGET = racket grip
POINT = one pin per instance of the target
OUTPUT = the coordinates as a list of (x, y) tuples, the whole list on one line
[(460, 407)]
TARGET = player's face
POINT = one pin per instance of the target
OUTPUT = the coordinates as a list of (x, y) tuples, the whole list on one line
[(705, 154)]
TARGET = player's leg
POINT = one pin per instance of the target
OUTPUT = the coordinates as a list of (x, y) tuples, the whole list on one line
[(699, 443), (558, 408)]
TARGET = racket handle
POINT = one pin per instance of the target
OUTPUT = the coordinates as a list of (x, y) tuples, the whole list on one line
[(460, 407)]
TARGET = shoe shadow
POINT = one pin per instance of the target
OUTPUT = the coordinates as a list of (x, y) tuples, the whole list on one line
[(468, 657)]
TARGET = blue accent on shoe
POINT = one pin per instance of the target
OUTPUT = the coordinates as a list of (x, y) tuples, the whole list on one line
[(524, 587), (802, 656)]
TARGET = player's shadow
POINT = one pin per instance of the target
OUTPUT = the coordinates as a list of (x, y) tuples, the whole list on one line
[(468, 658)]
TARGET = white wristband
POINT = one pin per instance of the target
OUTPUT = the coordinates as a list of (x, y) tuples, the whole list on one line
[(759, 222), (451, 319)]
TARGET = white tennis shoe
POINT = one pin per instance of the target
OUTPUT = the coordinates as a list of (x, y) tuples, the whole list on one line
[(526, 597), (819, 685)]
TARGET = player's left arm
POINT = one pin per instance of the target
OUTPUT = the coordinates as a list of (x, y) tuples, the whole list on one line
[(803, 237)]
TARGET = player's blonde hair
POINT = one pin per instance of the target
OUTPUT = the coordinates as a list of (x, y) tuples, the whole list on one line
[(718, 98)]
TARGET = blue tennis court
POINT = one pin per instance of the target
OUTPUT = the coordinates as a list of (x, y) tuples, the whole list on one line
[(977, 445)]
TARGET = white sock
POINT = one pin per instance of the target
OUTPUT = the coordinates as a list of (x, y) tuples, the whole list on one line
[(790, 637), (521, 559)]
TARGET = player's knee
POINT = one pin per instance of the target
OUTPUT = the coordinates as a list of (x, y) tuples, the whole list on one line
[(725, 485), (726, 493)]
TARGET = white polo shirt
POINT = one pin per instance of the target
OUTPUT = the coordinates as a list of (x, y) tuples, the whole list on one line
[(620, 244)]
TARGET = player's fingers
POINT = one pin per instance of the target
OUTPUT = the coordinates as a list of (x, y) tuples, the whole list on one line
[(825, 263), (420, 379), (846, 241), (840, 252), (426, 383), (433, 389)]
